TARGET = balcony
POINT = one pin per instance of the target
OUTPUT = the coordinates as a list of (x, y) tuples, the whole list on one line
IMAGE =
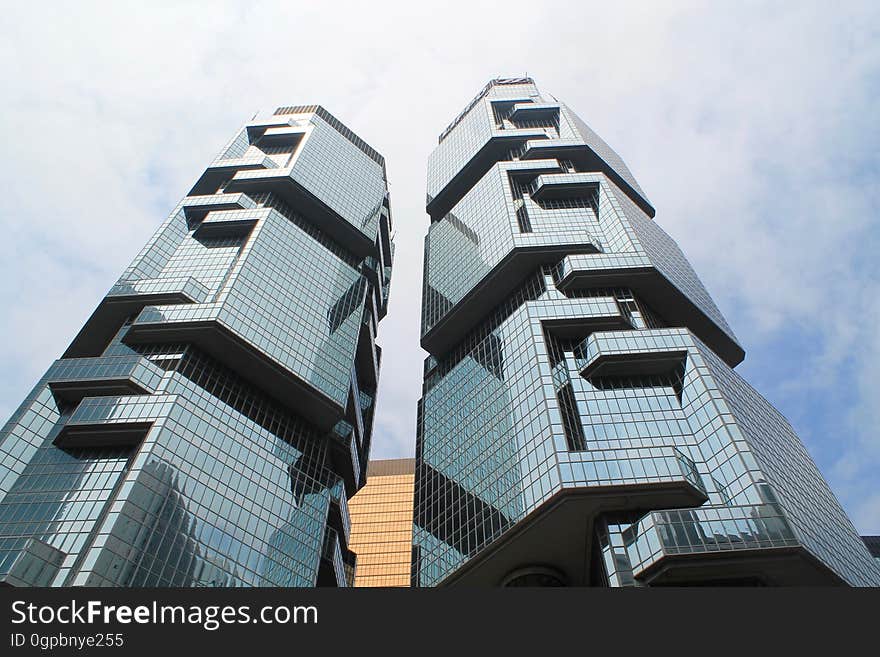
[(585, 159), (283, 184), (156, 290), (530, 251), (196, 207), (564, 186), (202, 326), (223, 169), (257, 127), (72, 379), (495, 149), (637, 272), (740, 543), (118, 421), (528, 168), (558, 531), (596, 356), (229, 223), (282, 136), (533, 111), (126, 298)]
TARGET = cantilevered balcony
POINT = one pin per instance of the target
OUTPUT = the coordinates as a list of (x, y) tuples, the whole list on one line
[(532, 167), (496, 149), (563, 186), (530, 251), (558, 532), (585, 159), (257, 127), (229, 223), (223, 169), (118, 421), (203, 326), (196, 207), (753, 544), (637, 272), (72, 379), (178, 289), (283, 184), (642, 360), (282, 136), (126, 298), (533, 111)]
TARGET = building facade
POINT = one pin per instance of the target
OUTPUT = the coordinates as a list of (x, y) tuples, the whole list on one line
[(381, 524), (581, 421), (208, 424)]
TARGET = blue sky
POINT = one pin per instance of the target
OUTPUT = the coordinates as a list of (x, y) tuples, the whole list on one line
[(752, 127)]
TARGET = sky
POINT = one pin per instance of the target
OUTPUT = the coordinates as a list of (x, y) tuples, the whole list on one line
[(752, 127)]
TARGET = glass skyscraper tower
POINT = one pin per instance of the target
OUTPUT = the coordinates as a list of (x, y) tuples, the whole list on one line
[(581, 422), (208, 423)]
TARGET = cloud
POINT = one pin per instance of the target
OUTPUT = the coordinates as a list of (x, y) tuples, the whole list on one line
[(751, 127)]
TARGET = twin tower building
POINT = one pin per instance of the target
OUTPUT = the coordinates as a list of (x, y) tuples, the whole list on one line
[(581, 423)]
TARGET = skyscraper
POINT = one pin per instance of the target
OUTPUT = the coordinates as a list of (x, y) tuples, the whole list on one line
[(209, 422), (581, 422), (381, 524)]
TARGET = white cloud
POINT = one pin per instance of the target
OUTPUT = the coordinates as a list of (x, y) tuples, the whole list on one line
[(750, 126)]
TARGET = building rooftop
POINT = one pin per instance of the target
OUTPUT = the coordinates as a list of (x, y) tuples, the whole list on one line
[(387, 467)]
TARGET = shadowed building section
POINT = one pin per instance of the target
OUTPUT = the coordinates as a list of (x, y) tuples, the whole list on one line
[(381, 524)]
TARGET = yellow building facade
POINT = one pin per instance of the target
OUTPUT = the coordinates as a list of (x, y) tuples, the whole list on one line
[(381, 524)]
